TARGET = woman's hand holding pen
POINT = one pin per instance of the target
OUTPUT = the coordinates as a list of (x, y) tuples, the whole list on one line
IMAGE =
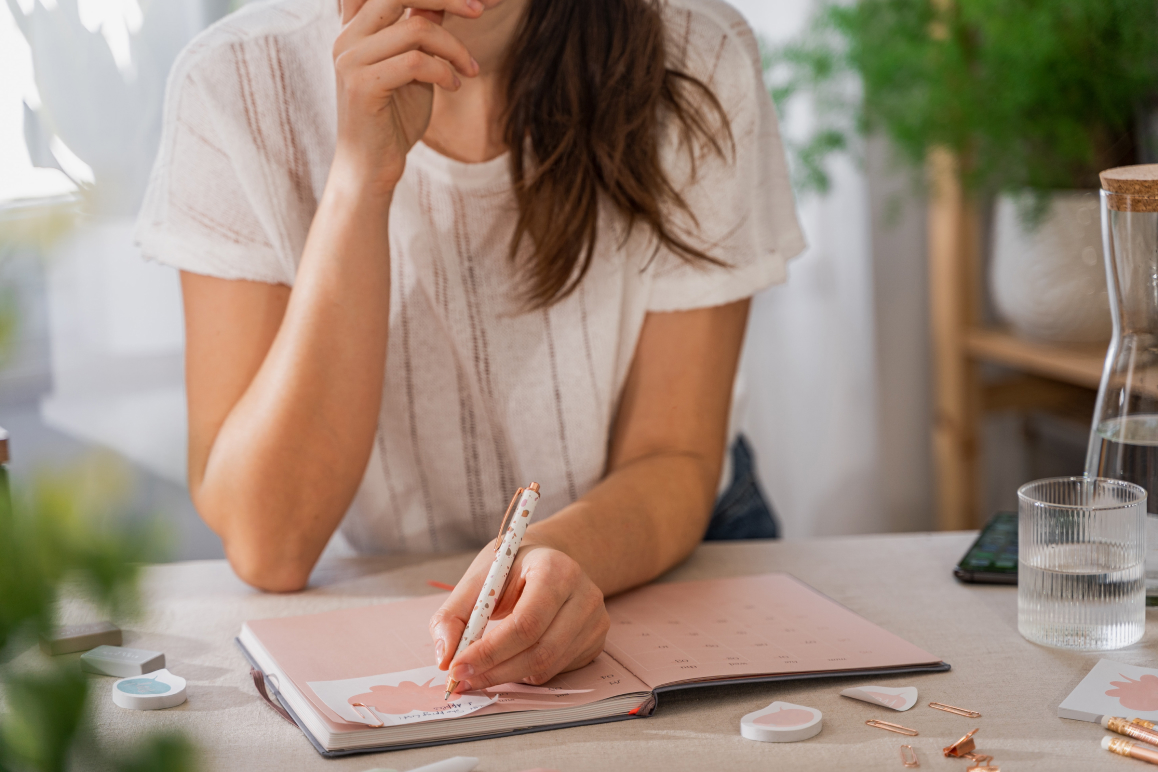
[(387, 59), (551, 619)]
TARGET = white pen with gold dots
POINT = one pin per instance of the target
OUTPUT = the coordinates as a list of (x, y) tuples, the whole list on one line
[(507, 547)]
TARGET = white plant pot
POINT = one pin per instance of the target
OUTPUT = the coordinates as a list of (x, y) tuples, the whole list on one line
[(1048, 281)]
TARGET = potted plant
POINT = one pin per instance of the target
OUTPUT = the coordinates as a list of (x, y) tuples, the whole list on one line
[(1033, 97)]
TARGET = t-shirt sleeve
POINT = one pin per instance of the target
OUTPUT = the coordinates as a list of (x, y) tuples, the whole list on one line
[(202, 209), (741, 207)]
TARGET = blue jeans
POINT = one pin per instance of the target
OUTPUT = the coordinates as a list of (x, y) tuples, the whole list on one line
[(742, 512)]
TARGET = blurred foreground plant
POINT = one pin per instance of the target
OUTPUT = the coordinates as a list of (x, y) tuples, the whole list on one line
[(63, 541)]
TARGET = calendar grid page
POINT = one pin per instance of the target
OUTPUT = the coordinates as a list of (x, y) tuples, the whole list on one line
[(765, 625)]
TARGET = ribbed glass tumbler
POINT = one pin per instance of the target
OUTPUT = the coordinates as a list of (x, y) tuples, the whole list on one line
[(1081, 550)]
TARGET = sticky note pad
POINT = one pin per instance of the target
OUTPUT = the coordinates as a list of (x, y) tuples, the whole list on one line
[(1113, 689), (73, 638), (121, 662)]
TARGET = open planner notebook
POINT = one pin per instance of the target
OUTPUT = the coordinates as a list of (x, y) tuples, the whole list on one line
[(360, 679)]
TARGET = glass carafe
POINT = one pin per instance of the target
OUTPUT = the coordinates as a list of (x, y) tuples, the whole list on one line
[(1124, 436)]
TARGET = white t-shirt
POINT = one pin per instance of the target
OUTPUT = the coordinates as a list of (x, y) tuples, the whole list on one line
[(478, 398)]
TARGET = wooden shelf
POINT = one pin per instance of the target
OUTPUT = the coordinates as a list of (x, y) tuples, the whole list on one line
[(1077, 365), (1056, 378)]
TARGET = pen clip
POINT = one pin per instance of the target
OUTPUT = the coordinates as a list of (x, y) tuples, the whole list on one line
[(507, 518)]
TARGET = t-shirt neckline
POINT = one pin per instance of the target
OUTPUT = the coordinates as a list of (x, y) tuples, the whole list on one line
[(460, 173)]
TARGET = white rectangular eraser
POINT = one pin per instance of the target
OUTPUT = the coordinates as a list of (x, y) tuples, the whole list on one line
[(74, 638), (120, 661)]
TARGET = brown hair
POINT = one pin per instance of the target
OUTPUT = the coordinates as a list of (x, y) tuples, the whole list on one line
[(589, 86)]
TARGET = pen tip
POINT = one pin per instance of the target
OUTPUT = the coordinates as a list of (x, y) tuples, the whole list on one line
[(446, 696)]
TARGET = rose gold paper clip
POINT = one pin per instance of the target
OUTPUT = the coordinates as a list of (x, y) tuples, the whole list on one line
[(953, 709), (909, 757), (356, 705), (963, 746), (892, 727)]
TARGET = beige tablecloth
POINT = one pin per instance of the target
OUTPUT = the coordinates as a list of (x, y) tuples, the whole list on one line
[(903, 583)]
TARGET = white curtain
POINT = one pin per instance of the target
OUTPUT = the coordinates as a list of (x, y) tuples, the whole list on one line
[(841, 439), (94, 111)]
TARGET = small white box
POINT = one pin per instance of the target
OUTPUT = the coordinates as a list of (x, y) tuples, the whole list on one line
[(120, 661)]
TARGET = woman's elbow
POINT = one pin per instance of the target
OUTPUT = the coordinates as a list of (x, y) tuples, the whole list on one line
[(261, 543), (266, 570), (273, 562)]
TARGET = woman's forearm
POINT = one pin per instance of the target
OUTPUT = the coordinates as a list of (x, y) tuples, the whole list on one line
[(275, 471), (667, 448), (640, 521), (289, 456)]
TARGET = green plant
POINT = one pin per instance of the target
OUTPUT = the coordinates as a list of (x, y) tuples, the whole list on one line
[(1037, 94), (63, 541)]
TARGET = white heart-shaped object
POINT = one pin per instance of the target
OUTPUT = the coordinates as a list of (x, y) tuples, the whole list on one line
[(781, 722), (897, 698)]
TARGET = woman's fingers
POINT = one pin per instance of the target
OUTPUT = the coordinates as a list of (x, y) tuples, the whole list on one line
[(558, 622), (572, 640), (410, 67), (449, 622), (446, 628), (365, 17), (416, 33), (350, 9), (371, 77), (534, 613)]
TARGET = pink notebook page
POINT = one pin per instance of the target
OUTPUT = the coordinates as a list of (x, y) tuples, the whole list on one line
[(392, 637), (747, 626)]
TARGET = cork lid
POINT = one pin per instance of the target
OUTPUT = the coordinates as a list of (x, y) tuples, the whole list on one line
[(1140, 180), (1132, 188)]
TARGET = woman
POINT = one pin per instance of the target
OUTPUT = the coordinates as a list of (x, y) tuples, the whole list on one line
[(430, 252)]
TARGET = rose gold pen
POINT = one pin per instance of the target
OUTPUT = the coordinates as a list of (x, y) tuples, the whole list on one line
[(506, 548)]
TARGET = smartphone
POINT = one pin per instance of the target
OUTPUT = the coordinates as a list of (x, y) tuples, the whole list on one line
[(993, 557)]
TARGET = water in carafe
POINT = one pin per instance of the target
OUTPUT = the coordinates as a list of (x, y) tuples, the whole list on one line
[(1127, 449)]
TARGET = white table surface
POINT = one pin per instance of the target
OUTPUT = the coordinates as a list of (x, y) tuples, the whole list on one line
[(902, 582)]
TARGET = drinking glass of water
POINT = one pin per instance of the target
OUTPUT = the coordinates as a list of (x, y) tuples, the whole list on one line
[(1081, 558)]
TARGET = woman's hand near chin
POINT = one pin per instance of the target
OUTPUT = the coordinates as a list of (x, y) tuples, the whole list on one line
[(387, 60), (551, 619)]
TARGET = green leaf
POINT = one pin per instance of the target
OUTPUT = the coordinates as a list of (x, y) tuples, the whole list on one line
[(165, 753), (44, 712), (67, 535)]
